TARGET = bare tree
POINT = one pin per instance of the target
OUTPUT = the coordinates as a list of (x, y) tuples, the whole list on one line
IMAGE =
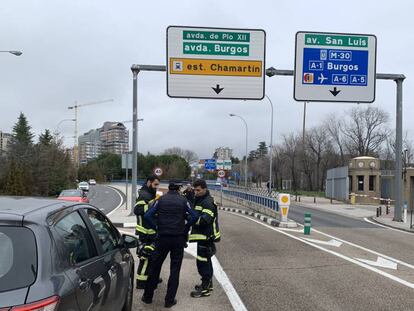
[(334, 127), (188, 155), (365, 131), (291, 152)]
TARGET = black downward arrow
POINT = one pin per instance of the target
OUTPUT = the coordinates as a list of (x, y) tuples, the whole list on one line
[(335, 91), (217, 89)]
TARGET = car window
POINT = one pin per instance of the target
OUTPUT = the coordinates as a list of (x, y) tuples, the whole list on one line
[(108, 236), (71, 193), (18, 258), (77, 241)]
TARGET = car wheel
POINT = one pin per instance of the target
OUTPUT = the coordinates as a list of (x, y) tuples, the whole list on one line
[(129, 296)]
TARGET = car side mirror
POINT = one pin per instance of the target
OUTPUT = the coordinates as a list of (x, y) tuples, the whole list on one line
[(129, 241)]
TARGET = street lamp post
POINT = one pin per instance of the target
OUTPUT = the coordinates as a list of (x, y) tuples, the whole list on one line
[(15, 53), (60, 122), (247, 134), (270, 148)]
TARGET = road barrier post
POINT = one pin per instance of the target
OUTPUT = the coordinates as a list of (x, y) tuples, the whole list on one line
[(378, 211), (307, 224), (284, 203)]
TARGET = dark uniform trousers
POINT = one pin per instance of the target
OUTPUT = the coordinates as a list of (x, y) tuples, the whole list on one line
[(166, 244), (205, 250)]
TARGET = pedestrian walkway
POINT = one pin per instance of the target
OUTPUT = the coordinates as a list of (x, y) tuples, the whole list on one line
[(188, 278), (387, 220), (337, 207)]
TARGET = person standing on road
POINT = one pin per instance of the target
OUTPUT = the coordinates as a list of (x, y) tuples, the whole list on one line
[(147, 195), (168, 216), (205, 232)]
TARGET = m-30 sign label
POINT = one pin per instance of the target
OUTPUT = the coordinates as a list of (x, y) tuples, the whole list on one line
[(215, 63)]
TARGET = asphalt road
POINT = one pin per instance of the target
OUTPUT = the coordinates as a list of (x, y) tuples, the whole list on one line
[(326, 219), (105, 198), (272, 271)]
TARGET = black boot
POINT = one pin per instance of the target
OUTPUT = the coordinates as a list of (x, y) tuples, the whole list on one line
[(140, 284), (202, 291), (199, 287)]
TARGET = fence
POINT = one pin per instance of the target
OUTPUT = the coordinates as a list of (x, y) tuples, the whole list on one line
[(250, 196)]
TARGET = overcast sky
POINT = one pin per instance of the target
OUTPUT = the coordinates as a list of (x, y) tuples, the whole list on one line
[(82, 51)]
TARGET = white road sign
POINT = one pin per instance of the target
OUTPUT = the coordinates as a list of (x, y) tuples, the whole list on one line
[(158, 171), (215, 63), (335, 67), (221, 174)]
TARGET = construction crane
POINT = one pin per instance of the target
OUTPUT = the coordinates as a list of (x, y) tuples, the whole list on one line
[(130, 121), (75, 107)]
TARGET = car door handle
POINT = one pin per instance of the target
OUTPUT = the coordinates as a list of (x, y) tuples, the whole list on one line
[(84, 284)]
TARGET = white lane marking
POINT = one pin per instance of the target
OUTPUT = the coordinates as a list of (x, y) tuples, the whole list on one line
[(222, 278), (332, 242), (119, 205), (291, 230), (381, 262), (361, 264), (386, 227), (365, 249)]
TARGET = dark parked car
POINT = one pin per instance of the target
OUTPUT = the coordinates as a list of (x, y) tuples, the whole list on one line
[(57, 255)]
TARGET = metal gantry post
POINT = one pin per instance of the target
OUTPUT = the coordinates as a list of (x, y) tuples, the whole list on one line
[(134, 138), (398, 151)]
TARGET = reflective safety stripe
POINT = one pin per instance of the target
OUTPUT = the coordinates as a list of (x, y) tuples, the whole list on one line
[(145, 208), (151, 231), (142, 202), (195, 237), (199, 258), (209, 212), (150, 247), (198, 208), (198, 222), (141, 229), (142, 275), (216, 233)]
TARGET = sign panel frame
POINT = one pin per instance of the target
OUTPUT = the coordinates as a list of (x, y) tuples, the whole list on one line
[(210, 164), (223, 58), (332, 92)]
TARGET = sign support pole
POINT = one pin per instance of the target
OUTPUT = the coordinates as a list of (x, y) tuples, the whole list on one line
[(126, 180), (399, 79), (270, 72)]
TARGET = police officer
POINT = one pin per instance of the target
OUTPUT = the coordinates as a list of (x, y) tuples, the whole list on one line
[(147, 195), (205, 232), (169, 214)]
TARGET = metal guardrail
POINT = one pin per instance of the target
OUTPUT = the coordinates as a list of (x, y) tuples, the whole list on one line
[(265, 201)]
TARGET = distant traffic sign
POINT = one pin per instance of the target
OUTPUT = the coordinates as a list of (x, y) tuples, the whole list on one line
[(210, 164), (215, 63), (335, 67), (158, 171), (221, 173)]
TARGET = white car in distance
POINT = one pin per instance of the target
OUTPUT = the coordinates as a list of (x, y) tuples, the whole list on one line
[(84, 186)]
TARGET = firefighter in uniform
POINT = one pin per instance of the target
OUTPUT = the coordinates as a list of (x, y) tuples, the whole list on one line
[(168, 215), (147, 195), (205, 232)]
